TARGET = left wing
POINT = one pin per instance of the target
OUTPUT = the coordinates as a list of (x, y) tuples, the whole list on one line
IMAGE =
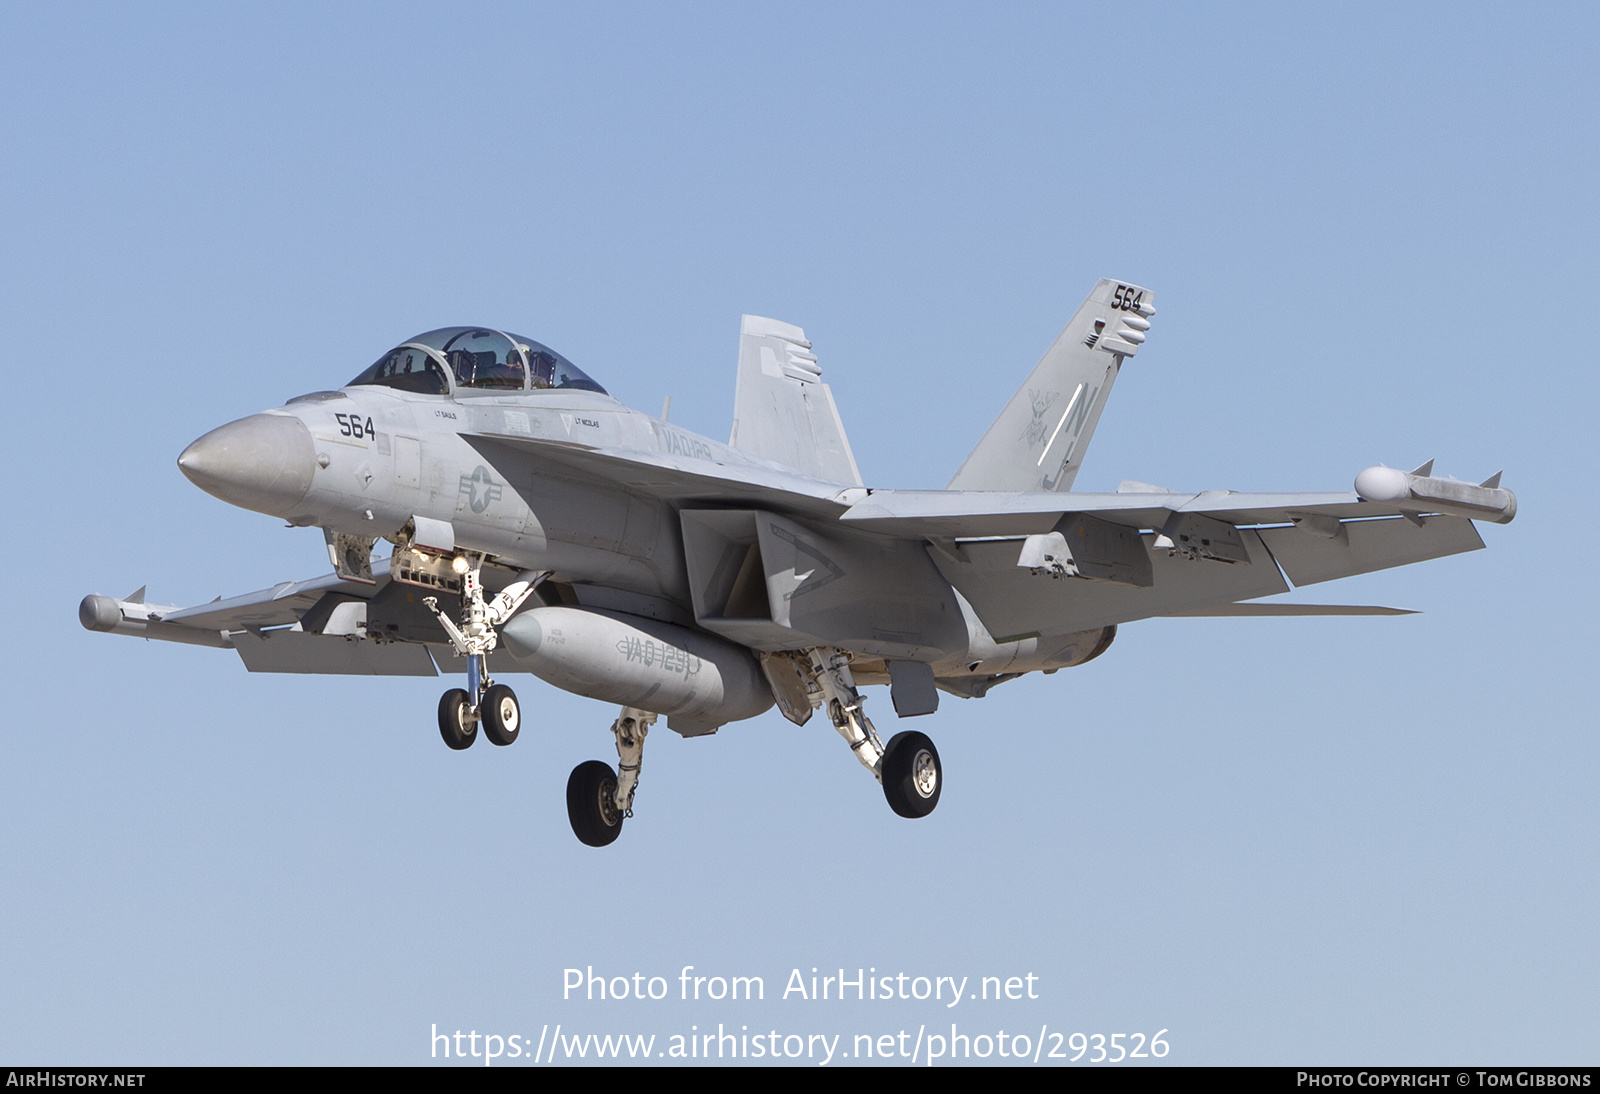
[(1313, 537), (1380, 492), (975, 514), (1149, 552)]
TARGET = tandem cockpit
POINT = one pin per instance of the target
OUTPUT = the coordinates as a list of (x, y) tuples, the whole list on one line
[(474, 360)]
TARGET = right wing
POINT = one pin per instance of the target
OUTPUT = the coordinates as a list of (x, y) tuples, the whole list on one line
[(677, 479), (325, 625)]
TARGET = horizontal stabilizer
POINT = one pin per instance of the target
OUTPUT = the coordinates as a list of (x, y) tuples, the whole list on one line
[(1256, 611)]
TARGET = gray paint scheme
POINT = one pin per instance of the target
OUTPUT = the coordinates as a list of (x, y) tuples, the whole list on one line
[(769, 542), (781, 408), (1039, 440)]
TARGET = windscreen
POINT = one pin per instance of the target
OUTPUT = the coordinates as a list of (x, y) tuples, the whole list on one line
[(408, 368)]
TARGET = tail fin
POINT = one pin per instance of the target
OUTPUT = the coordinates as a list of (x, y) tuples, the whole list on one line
[(1039, 439), (781, 408)]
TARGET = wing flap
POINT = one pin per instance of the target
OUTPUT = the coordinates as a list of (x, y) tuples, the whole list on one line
[(331, 655), (1015, 603), (1368, 545)]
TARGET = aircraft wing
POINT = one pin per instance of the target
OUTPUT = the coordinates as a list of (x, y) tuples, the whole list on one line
[(978, 541), (280, 606), (978, 514), (677, 479), (316, 626)]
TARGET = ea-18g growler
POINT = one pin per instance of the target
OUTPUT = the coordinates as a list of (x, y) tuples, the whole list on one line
[(538, 525)]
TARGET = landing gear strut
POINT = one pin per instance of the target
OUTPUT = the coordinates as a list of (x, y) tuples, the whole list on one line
[(830, 674), (600, 799), (908, 767), (484, 702)]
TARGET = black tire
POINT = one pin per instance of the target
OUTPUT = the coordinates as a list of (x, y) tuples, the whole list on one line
[(591, 803), (500, 715), (912, 775), (456, 724)]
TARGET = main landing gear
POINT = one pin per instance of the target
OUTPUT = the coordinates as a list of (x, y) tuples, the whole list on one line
[(483, 702), (912, 777), (908, 766), (598, 798)]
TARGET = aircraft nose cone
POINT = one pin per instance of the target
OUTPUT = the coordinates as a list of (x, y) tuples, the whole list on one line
[(263, 462)]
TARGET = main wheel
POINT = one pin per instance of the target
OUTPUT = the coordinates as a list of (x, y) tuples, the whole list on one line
[(912, 777), (457, 725), (592, 803), (501, 716)]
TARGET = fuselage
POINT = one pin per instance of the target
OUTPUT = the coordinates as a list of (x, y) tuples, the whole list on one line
[(378, 457), (367, 460), (541, 526)]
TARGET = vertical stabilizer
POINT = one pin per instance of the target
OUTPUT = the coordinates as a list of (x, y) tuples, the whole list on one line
[(1040, 438), (781, 408)]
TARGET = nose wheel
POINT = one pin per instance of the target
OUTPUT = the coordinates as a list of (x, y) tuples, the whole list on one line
[(484, 702), (501, 716), (458, 722)]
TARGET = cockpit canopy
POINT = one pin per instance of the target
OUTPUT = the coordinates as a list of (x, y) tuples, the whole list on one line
[(475, 358)]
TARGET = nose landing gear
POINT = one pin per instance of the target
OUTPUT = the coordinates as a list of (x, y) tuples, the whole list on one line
[(458, 722), (500, 714), (484, 702)]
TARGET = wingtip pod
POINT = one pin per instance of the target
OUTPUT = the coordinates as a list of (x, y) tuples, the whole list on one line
[(100, 613), (1424, 493), (132, 616)]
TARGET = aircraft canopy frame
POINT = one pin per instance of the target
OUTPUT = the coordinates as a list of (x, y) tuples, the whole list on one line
[(457, 361)]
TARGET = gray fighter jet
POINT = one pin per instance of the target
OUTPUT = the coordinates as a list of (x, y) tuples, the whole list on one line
[(538, 525)]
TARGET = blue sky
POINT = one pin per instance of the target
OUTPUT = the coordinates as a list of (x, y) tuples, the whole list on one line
[(1371, 235)]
